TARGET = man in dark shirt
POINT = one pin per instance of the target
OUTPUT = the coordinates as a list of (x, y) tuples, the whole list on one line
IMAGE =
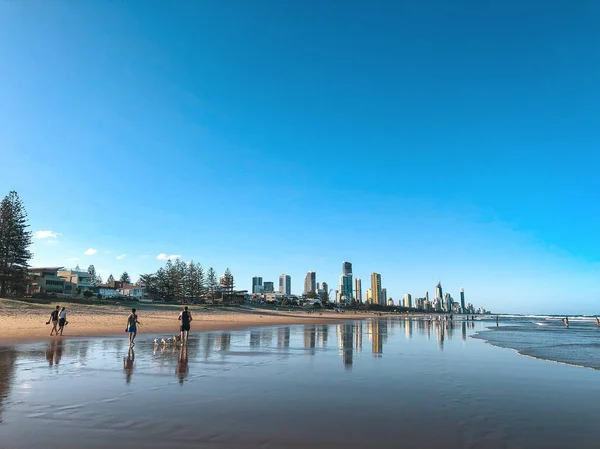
[(54, 319), (186, 318)]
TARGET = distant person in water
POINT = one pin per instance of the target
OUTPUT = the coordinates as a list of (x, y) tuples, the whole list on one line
[(186, 318), (496, 320), (62, 320), (54, 319), (132, 322), (597, 322), (565, 321)]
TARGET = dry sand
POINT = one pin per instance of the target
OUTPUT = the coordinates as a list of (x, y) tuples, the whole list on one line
[(25, 321)]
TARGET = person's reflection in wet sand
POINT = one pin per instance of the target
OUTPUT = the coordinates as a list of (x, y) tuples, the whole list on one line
[(128, 364), (54, 352), (8, 357), (182, 364)]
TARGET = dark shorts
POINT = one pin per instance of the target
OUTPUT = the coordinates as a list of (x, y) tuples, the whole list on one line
[(185, 328), (132, 329), (61, 322)]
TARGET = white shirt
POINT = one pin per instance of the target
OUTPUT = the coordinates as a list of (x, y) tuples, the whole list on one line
[(63, 314)]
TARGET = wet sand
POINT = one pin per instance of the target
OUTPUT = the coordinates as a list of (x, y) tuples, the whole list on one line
[(374, 383), (26, 321)]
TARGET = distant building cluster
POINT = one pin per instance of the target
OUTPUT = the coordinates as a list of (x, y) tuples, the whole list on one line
[(60, 281), (349, 292)]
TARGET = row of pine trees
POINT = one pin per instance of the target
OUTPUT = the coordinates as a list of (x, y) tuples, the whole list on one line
[(186, 282)]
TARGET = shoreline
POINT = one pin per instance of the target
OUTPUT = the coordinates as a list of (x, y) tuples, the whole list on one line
[(24, 322)]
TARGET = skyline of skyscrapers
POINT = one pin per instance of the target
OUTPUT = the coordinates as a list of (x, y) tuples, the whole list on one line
[(350, 290)]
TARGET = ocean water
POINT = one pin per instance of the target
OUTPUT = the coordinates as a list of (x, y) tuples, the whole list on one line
[(379, 383), (546, 337)]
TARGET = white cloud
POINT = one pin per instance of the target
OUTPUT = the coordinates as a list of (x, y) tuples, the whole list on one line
[(145, 256), (163, 256), (73, 259), (122, 256), (45, 234), (90, 252)]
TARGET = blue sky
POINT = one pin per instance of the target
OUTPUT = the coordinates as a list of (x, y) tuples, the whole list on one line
[(426, 141)]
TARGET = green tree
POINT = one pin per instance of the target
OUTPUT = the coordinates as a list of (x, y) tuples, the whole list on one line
[(200, 281), (211, 282), (15, 241), (92, 272), (110, 279), (125, 277), (149, 282), (227, 285), (98, 279)]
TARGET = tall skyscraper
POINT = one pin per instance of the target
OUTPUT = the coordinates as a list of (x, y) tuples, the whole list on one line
[(438, 291), (369, 296), (384, 298), (427, 296), (285, 284), (310, 283), (462, 300), (358, 290), (268, 287), (257, 284), (346, 267), (407, 300), (376, 288), (345, 288), (325, 288)]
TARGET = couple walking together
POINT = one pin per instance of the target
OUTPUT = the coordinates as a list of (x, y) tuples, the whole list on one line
[(185, 317)]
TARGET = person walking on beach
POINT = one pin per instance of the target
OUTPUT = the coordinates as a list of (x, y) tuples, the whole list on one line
[(54, 319), (186, 318), (132, 322), (62, 320)]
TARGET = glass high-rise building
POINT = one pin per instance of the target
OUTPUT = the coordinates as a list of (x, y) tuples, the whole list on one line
[(407, 300), (310, 283), (257, 284), (376, 288), (438, 291), (462, 300), (285, 284), (268, 287), (347, 268)]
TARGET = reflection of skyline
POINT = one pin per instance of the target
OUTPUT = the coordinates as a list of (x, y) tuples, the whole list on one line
[(347, 344), (310, 333), (283, 337), (8, 357)]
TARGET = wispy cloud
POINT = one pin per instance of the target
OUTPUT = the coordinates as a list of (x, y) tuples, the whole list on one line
[(73, 259), (90, 252), (163, 256), (145, 256), (122, 256), (45, 234)]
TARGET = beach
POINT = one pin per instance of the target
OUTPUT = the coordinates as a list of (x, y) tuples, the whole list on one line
[(351, 384), (25, 321)]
